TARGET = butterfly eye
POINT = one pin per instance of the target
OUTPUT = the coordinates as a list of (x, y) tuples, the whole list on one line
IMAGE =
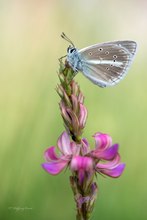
[(72, 50)]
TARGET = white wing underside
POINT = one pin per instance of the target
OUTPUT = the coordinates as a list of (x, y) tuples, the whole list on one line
[(107, 63)]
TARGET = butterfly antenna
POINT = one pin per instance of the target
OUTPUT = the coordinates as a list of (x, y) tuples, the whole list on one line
[(67, 39)]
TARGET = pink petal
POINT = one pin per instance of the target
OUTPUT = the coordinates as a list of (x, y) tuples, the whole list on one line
[(81, 163), (110, 164), (102, 141), (83, 115), (114, 172), (85, 146), (50, 154), (64, 144), (107, 154), (75, 148), (81, 175), (74, 119), (80, 97), (112, 169), (54, 168), (64, 112), (75, 103), (85, 142)]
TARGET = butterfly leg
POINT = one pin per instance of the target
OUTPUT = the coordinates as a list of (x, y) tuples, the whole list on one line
[(61, 58)]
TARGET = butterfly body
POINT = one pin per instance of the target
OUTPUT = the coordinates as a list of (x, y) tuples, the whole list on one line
[(74, 59), (104, 64)]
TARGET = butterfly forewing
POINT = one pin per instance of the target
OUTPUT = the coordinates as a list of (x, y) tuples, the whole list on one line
[(106, 64)]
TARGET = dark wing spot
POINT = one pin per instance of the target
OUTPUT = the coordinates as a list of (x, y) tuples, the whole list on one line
[(107, 52), (100, 49)]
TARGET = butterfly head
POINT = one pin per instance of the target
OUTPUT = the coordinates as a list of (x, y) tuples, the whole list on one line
[(71, 49)]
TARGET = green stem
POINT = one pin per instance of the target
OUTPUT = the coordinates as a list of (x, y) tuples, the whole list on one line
[(71, 100)]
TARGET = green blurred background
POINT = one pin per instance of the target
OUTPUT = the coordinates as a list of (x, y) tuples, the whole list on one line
[(30, 121)]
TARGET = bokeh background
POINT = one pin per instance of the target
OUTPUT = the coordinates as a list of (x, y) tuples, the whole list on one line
[(30, 121)]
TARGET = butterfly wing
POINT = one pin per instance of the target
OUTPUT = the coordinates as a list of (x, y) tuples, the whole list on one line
[(107, 63)]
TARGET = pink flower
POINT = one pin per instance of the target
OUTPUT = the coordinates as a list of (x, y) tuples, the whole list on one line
[(82, 160), (55, 164), (105, 151)]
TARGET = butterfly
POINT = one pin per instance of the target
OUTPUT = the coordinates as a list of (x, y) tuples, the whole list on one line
[(104, 64)]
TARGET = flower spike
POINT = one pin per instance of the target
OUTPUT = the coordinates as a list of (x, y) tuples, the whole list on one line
[(74, 151)]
